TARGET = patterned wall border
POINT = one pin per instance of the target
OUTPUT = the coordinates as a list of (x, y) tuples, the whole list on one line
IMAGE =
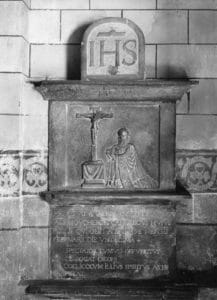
[(22, 172), (196, 170), (25, 172)]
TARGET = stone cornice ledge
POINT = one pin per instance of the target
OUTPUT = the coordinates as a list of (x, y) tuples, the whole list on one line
[(141, 90), (108, 197)]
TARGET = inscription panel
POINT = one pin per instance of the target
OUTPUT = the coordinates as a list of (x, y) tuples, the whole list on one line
[(111, 48), (130, 241)]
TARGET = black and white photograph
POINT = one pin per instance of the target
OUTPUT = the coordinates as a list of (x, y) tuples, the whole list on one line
[(108, 149)]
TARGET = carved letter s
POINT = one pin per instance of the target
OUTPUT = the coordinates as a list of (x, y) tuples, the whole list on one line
[(130, 52)]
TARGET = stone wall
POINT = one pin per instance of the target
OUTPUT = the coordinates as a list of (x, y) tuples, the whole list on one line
[(40, 39)]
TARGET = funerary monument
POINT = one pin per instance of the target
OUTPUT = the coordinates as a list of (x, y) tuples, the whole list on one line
[(112, 190)]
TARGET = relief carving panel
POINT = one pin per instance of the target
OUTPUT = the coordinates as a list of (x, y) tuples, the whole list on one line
[(117, 146)]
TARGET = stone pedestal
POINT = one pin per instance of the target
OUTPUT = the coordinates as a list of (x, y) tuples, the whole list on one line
[(93, 174)]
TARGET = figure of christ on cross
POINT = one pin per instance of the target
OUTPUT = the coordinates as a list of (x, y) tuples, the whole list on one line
[(95, 116)]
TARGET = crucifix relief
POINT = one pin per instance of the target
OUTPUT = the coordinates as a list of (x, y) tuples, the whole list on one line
[(93, 171)]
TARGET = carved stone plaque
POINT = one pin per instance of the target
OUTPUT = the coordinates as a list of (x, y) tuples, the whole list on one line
[(112, 241), (126, 146), (113, 48)]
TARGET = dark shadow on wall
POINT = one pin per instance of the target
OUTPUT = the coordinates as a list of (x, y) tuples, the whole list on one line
[(171, 72), (73, 61)]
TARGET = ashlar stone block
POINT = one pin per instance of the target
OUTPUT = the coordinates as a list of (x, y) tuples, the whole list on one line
[(161, 26), (196, 132), (196, 248), (204, 97), (34, 260), (205, 208), (186, 61), (44, 26), (123, 4), (55, 61), (34, 132), (187, 4), (12, 18), (10, 90), (35, 211), (60, 4), (202, 26), (14, 55)]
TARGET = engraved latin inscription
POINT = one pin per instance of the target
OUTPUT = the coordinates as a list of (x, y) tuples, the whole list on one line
[(112, 241)]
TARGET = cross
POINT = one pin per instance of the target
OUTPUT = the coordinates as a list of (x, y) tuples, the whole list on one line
[(95, 116)]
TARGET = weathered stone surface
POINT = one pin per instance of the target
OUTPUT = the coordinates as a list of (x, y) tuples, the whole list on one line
[(74, 23), (205, 208), (37, 106), (112, 241), (12, 18), (55, 61), (184, 211), (196, 247), (186, 61), (161, 26), (35, 211), (34, 258), (44, 26), (167, 146), (35, 132), (196, 170), (187, 4), (9, 124), (123, 4), (196, 132), (203, 97), (10, 289), (10, 213), (207, 294), (10, 253), (182, 106), (203, 31), (59, 4), (10, 86), (150, 61), (10, 61), (112, 49)]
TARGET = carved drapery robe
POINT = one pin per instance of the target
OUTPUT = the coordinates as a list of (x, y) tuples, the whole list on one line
[(124, 169)]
